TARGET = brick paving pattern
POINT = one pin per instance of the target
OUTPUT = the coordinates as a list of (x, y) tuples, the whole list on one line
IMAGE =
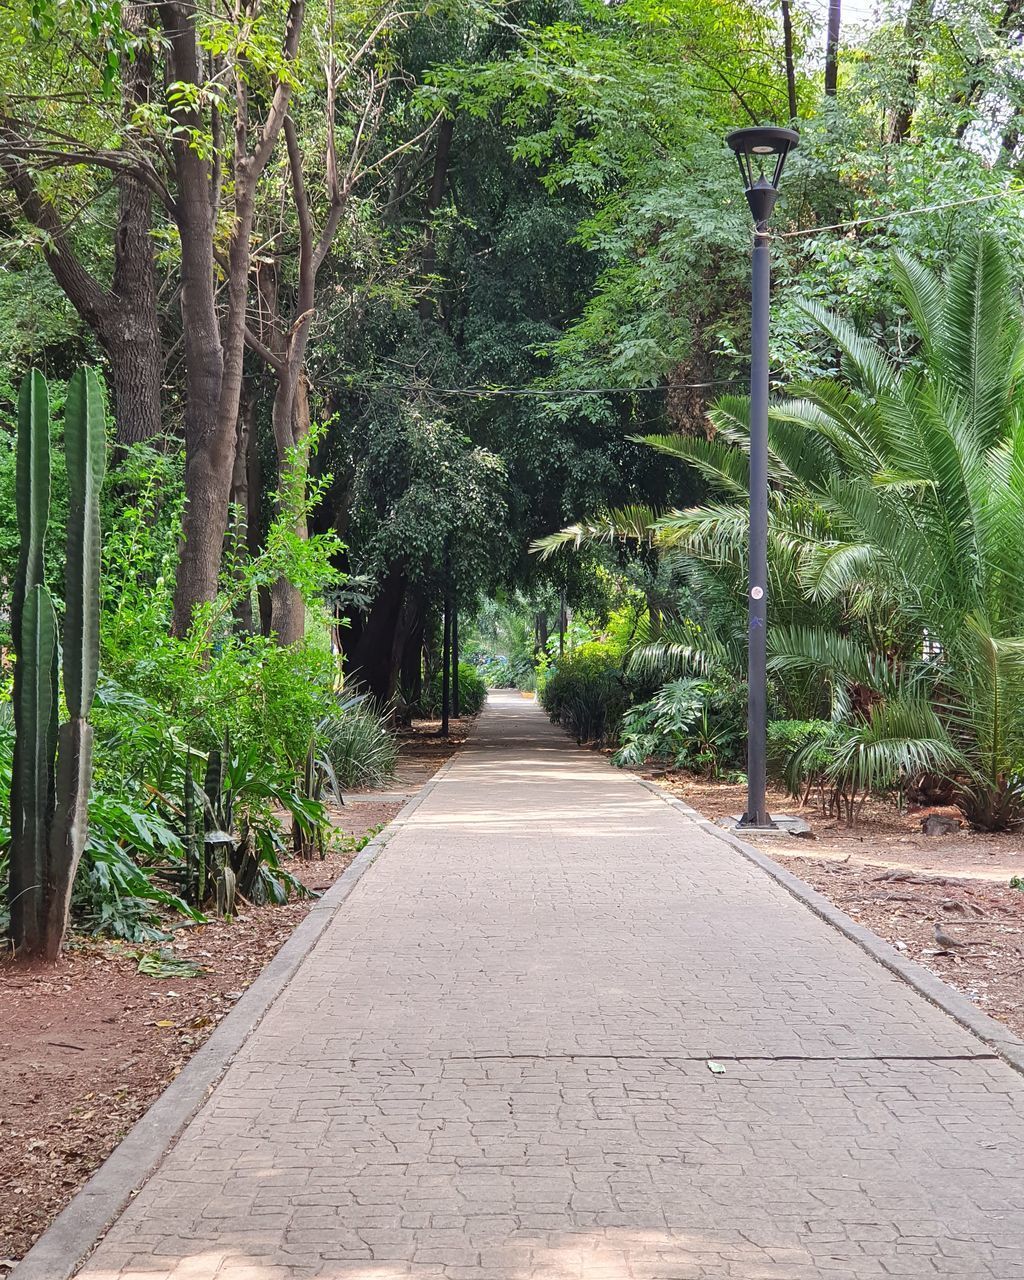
[(493, 1066)]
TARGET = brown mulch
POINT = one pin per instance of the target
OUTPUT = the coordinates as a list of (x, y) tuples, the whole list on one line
[(86, 1045), (886, 874)]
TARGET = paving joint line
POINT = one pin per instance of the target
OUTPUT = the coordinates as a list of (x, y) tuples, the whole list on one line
[(991, 1056), (74, 1234), (938, 993)]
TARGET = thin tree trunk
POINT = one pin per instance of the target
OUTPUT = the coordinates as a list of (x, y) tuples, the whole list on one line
[(438, 183), (787, 37), (918, 17), (832, 47), (446, 665), (456, 710), (287, 607), (241, 500)]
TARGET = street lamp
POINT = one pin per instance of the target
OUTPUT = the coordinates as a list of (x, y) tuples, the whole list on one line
[(756, 149)]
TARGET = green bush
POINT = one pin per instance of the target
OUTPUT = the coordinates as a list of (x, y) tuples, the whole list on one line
[(356, 740), (693, 724), (472, 692), (496, 672), (587, 693), (165, 702), (788, 737)]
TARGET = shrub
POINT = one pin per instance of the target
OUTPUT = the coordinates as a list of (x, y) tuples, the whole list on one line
[(496, 672), (803, 743), (472, 692), (586, 692), (355, 739), (694, 724)]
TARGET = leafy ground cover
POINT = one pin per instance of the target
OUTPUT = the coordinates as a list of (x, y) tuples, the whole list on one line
[(86, 1046)]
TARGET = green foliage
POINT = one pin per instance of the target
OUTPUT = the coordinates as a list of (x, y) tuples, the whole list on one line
[(692, 724), (117, 892), (472, 692), (804, 744), (586, 692), (472, 689), (355, 737)]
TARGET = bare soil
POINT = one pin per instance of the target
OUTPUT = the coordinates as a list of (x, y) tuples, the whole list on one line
[(900, 883), (86, 1045)]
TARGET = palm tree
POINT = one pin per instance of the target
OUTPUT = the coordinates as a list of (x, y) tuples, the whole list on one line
[(896, 532)]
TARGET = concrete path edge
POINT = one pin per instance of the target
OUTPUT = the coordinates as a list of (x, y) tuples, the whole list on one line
[(925, 983), (75, 1232)]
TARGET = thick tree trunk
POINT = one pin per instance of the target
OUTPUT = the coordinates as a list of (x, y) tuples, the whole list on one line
[(130, 331), (213, 354), (375, 655), (123, 317), (412, 658)]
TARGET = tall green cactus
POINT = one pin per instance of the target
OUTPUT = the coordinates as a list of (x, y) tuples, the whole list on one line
[(53, 765)]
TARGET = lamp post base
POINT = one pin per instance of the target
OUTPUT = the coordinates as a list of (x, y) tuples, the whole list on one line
[(756, 822), (781, 825)]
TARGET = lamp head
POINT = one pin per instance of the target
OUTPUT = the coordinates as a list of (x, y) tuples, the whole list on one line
[(758, 148)]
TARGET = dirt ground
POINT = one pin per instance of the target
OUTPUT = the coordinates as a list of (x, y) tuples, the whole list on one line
[(900, 883), (88, 1044)]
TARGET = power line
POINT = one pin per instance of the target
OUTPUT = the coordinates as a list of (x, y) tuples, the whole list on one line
[(897, 213), (544, 392)]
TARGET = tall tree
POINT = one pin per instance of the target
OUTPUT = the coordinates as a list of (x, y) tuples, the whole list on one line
[(123, 311)]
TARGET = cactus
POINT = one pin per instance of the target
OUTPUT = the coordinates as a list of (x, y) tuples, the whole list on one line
[(53, 766)]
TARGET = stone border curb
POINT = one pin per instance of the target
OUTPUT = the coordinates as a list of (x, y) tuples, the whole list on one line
[(925, 983), (72, 1236)]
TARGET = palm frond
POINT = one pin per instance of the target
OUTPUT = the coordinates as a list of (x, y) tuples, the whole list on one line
[(621, 524)]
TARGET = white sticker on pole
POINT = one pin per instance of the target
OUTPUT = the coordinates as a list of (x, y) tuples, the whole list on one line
[(756, 593)]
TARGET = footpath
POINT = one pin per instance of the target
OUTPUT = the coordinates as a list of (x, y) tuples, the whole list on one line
[(559, 1031)]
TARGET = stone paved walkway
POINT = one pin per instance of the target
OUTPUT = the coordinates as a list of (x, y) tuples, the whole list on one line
[(493, 1067)]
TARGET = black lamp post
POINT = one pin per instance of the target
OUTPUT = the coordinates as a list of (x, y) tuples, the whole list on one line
[(755, 149)]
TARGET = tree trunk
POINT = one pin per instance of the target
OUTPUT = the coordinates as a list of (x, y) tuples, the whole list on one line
[(287, 608), (241, 502), (446, 665), (787, 37), (374, 658), (832, 47), (437, 187), (918, 17), (123, 317), (131, 330), (456, 709), (209, 457), (214, 354), (412, 661)]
